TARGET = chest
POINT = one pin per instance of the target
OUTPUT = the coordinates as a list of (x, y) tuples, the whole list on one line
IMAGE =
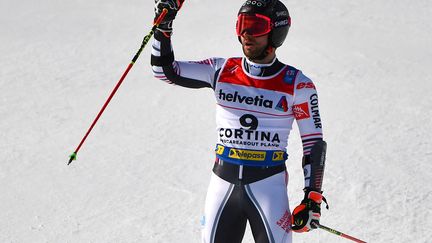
[(238, 90)]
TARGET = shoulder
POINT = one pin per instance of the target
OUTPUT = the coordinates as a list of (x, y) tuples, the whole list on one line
[(233, 61), (304, 86), (301, 83), (296, 77), (218, 61)]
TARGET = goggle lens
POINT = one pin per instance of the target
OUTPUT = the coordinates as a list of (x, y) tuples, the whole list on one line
[(255, 25)]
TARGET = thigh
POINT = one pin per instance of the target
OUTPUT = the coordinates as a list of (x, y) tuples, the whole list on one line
[(270, 216), (224, 221)]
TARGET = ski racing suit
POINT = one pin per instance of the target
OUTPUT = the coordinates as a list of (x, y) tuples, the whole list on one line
[(256, 107)]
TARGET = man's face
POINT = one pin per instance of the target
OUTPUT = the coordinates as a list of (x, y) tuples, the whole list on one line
[(252, 46)]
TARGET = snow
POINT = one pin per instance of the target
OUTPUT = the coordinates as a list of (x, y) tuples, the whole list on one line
[(142, 174)]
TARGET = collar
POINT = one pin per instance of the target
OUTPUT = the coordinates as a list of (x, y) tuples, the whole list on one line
[(262, 70)]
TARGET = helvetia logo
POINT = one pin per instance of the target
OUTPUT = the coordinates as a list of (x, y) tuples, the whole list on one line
[(237, 98), (282, 104)]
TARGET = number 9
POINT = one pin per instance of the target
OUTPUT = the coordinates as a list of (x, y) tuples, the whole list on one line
[(249, 121)]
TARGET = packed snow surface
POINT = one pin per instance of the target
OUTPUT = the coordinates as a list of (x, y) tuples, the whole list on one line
[(142, 174)]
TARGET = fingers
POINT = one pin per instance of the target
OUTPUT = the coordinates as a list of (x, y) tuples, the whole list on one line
[(304, 219), (168, 4)]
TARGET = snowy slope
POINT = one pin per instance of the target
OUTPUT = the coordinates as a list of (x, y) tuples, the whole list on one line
[(142, 174)]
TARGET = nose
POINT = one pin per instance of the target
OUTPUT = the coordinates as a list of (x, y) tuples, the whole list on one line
[(246, 32), (247, 36)]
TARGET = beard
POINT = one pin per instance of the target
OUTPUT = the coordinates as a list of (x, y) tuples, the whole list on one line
[(255, 53)]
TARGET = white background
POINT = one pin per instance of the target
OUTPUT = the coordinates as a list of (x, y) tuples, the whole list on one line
[(142, 174)]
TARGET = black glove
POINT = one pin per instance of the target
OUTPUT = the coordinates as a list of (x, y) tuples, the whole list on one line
[(308, 213), (173, 6)]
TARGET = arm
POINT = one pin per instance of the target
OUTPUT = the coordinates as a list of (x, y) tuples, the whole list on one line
[(307, 115), (187, 74), (308, 119)]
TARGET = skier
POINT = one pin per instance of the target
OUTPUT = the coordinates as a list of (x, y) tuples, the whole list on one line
[(258, 98)]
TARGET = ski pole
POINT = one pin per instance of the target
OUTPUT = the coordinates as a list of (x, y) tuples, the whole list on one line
[(143, 44), (339, 233)]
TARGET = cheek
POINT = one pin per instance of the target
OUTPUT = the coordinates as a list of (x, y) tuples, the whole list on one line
[(263, 40)]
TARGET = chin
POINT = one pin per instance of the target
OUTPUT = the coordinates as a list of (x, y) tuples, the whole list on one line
[(251, 55)]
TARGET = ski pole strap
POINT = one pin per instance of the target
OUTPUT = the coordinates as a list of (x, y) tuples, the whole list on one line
[(325, 200), (251, 157)]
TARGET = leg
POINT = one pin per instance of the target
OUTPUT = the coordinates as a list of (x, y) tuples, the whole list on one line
[(269, 215), (224, 219)]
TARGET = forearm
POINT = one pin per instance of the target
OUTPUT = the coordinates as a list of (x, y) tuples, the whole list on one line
[(185, 74), (313, 166)]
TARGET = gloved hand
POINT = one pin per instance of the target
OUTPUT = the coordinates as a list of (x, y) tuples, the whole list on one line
[(308, 212), (173, 6)]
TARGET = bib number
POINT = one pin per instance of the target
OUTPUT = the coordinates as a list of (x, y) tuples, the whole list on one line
[(249, 121)]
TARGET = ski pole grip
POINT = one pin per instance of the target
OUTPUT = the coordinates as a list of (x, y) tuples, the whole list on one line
[(161, 17)]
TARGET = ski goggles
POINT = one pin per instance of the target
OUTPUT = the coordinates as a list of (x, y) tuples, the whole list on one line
[(254, 25)]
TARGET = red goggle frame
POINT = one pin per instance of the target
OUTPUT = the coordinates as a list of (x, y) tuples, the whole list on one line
[(254, 25)]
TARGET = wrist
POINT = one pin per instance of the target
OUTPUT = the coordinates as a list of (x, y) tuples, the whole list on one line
[(315, 196), (166, 26), (161, 34), (308, 190)]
